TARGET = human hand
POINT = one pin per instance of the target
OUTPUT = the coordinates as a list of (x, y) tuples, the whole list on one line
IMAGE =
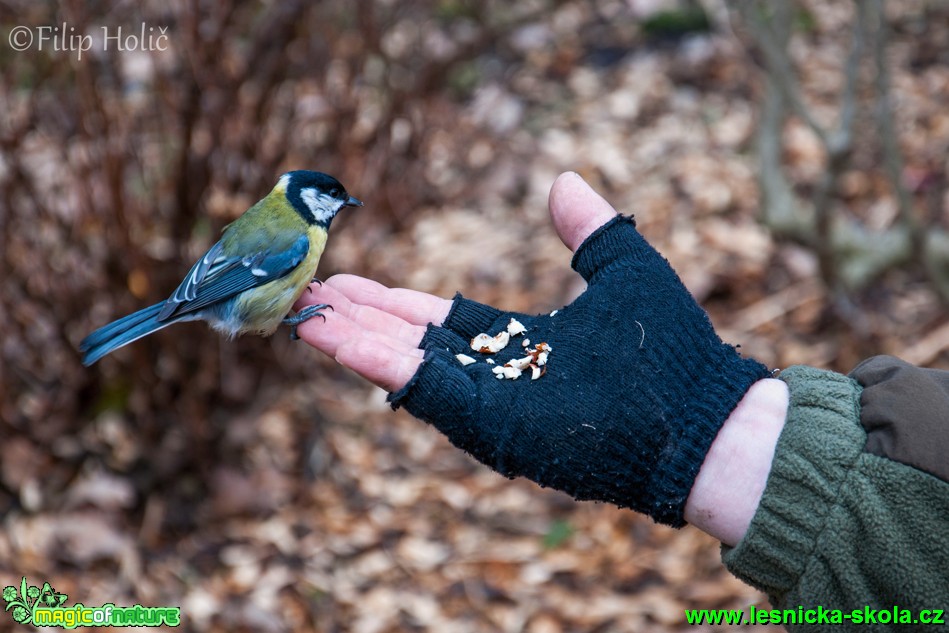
[(638, 383), (376, 331)]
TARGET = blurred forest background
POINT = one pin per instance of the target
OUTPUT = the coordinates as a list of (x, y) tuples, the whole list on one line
[(789, 158)]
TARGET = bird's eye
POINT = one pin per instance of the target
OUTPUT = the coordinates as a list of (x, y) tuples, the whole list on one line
[(334, 192)]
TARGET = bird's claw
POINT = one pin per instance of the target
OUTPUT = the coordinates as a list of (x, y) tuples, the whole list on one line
[(304, 315), (317, 282)]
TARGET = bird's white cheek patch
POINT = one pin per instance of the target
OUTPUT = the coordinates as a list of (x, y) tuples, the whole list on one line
[(322, 206)]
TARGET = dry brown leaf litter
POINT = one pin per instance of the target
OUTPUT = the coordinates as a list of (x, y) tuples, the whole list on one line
[(299, 501)]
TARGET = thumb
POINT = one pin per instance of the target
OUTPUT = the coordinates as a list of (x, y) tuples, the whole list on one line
[(576, 209)]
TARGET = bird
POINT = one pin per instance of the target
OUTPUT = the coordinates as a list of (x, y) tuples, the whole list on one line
[(249, 280)]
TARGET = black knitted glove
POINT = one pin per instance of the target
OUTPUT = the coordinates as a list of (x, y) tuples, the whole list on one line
[(637, 383)]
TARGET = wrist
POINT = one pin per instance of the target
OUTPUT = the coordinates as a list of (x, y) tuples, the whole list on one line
[(730, 483)]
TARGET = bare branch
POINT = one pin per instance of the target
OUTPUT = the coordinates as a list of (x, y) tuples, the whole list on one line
[(842, 139), (892, 157), (838, 145), (772, 34), (782, 210)]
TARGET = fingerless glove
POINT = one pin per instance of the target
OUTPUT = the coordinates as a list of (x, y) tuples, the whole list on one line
[(637, 383)]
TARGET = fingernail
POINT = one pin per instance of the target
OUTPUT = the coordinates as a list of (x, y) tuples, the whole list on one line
[(572, 175)]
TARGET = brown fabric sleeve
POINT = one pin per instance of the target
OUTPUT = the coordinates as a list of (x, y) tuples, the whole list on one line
[(905, 411)]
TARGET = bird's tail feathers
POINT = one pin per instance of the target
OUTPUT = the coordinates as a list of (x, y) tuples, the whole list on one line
[(121, 332)]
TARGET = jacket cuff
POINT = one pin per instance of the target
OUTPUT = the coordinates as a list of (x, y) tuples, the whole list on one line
[(821, 441)]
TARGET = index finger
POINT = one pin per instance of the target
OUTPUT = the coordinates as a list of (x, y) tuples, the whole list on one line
[(417, 308), (366, 317)]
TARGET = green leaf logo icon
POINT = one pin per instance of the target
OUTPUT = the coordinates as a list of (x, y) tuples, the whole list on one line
[(23, 601)]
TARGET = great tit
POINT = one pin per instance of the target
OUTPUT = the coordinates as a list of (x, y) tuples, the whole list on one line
[(249, 280)]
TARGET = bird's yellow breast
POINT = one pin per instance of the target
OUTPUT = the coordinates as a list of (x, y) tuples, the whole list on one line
[(262, 309)]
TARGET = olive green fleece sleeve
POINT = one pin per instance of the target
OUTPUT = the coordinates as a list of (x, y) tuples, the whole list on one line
[(838, 527)]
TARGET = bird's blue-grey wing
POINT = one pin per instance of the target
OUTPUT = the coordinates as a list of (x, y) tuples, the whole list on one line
[(217, 277), (189, 285)]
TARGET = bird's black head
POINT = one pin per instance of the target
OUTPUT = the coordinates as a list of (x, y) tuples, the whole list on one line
[(316, 196)]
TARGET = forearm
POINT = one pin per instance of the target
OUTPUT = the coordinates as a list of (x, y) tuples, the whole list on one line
[(733, 476)]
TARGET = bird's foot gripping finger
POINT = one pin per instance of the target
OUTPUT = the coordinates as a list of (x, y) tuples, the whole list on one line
[(304, 315)]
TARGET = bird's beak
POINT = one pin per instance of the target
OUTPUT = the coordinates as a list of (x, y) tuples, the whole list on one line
[(353, 202)]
